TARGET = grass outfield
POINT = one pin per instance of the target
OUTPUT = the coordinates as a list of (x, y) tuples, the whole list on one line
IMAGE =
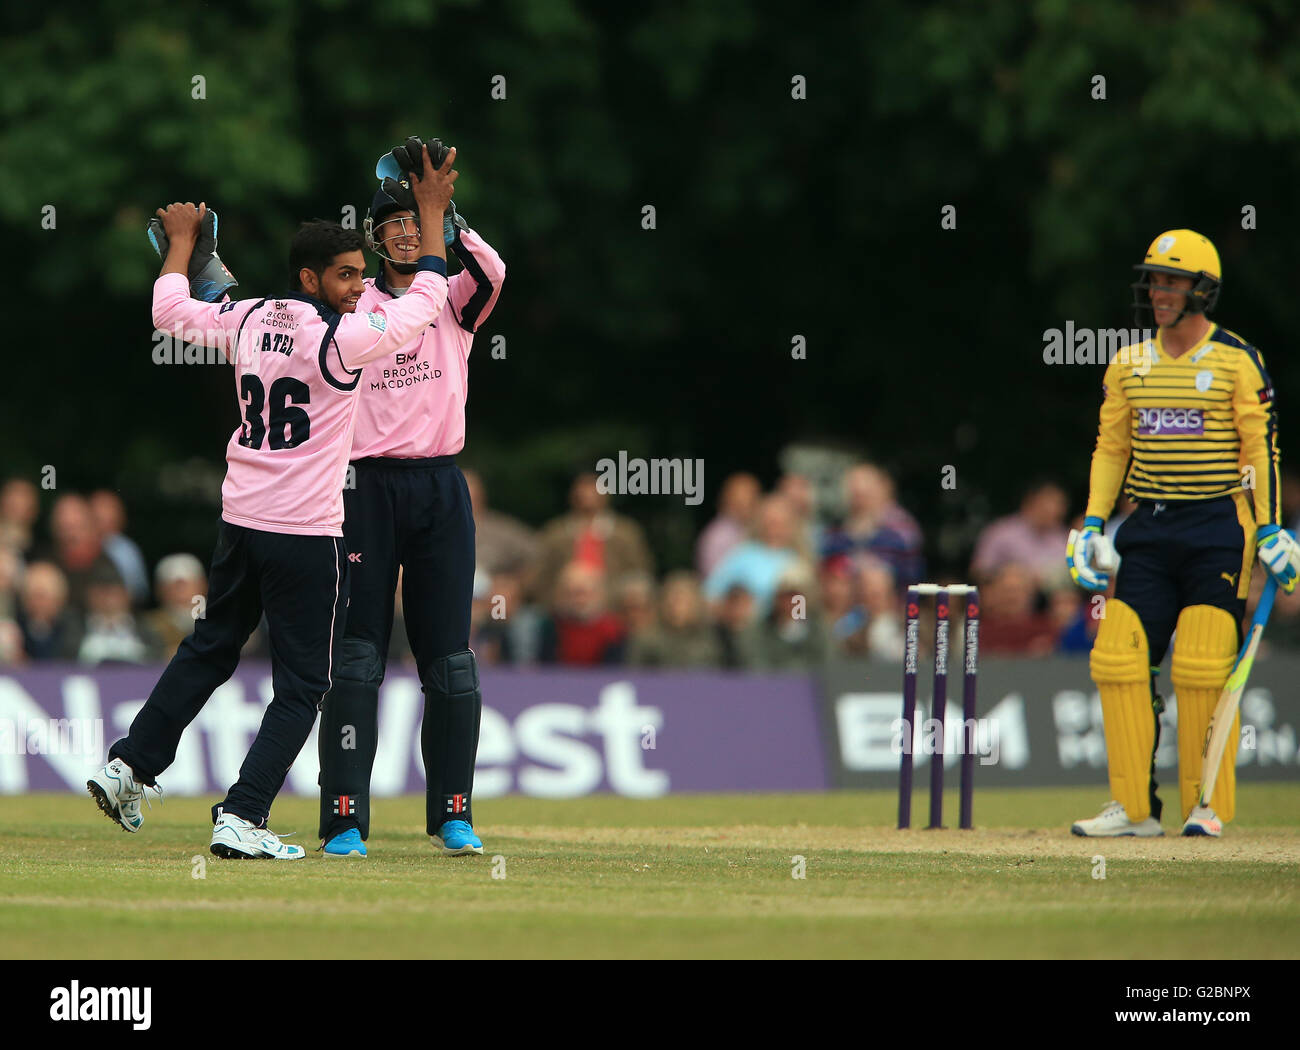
[(690, 876)]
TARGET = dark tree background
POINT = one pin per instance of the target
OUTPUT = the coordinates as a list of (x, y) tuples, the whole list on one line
[(776, 217)]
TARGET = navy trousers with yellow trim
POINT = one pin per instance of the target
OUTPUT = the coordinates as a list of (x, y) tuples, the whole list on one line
[(1176, 554)]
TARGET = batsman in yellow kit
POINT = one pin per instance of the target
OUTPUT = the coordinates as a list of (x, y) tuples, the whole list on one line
[(1188, 429)]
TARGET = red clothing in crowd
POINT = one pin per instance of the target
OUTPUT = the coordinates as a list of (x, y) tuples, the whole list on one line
[(586, 643)]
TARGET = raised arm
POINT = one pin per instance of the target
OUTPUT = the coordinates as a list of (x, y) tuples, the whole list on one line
[(474, 291), (208, 324), (362, 338), (181, 222)]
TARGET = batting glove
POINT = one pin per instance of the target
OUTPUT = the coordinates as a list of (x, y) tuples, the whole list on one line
[(1279, 554), (210, 279), (1091, 556)]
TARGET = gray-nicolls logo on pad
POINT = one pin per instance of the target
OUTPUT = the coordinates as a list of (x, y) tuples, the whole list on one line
[(75, 1003)]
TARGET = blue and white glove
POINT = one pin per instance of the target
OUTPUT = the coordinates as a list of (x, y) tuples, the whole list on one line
[(451, 222), (1279, 554), (209, 277), (1091, 556)]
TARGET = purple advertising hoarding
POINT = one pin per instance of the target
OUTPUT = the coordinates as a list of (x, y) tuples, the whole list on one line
[(545, 733)]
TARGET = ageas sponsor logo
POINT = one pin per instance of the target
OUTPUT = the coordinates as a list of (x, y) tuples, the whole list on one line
[(1163, 422)]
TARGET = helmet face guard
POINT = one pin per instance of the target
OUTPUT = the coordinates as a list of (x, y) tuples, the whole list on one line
[(1199, 299), (379, 232)]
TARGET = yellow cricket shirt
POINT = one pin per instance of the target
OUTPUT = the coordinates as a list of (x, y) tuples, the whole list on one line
[(1194, 427)]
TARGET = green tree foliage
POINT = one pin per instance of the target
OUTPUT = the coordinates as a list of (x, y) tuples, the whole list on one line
[(775, 216)]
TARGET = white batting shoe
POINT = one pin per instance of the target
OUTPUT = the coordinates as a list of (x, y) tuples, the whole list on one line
[(1113, 822), (1203, 821), (234, 838), (117, 792)]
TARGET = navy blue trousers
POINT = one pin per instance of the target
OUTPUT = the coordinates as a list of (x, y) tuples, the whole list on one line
[(1176, 554), (301, 584), (412, 514)]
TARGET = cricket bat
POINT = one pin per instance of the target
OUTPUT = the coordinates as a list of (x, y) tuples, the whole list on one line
[(1225, 711)]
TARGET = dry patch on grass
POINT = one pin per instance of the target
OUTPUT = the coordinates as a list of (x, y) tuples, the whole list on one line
[(1275, 846)]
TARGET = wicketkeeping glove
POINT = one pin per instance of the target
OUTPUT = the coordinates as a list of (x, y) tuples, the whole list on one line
[(1091, 556), (1279, 554), (408, 158), (394, 169), (210, 278), (401, 192)]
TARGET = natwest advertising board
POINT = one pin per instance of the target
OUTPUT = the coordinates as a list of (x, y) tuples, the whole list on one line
[(550, 734), (565, 734)]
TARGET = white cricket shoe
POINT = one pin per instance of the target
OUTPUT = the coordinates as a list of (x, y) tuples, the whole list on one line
[(117, 792), (236, 839), (1113, 822), (1203, 821)]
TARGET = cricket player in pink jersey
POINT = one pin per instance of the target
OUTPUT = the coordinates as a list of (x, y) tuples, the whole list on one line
[(410, 506), (280, 549)]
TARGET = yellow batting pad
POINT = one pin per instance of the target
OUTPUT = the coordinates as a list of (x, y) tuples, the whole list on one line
[(1120, 655), (1205, 648), (1120, 664)]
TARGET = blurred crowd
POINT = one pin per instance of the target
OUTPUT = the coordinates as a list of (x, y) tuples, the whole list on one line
[(778, 582)]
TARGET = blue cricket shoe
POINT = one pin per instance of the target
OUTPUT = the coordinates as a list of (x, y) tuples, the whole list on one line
[(346, 844), (457, 837)]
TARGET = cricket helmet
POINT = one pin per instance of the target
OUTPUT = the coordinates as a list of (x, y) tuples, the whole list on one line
[(382, 206), (1181, 253)]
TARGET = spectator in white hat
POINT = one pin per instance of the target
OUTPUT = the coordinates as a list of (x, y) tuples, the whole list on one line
[(178, 580)]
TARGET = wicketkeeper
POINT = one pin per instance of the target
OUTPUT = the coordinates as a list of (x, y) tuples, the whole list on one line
[(408, 506), (1189, 429)]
